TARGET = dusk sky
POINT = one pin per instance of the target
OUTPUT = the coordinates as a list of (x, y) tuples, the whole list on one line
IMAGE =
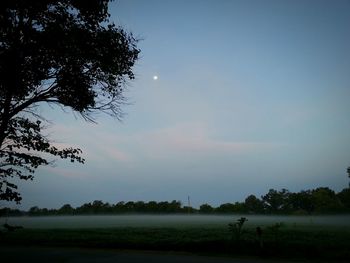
[(250, 95)]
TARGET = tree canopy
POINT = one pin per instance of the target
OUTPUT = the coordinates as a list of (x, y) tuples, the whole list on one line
[(66, 53), (321, 200)]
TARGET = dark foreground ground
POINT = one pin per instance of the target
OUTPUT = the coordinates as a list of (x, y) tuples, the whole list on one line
[(214, 244), (77, 255)]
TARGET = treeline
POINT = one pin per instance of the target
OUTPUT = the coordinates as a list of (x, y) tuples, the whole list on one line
[(99, 207), (321, 200)]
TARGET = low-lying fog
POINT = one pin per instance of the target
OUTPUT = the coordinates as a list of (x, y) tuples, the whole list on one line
[(106, 221)]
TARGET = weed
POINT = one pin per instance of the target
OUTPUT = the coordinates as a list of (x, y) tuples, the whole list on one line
[(236, 228)]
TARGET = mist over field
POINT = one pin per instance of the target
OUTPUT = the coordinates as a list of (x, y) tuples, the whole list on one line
[(177, 221)]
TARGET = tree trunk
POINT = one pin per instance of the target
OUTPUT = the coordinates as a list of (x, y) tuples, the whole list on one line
[(5, 118)]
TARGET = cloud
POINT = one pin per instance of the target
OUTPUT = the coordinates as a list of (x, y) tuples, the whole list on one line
[(112, 152), (96, 143), (189, 139), (193, 138)]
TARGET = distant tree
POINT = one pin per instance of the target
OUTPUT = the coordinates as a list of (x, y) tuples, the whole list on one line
[(66, 209), (226, 208), (34, 210), (276, 201), (302, 202), (85, 209), (4, 212), (254, 204), (163, 207), (64, 53), (129, 206), (118, 207), (174, 206), (189, 210), (152, 207), (239, 208), (46, 211), (321, 200), (140, 206), (344, 197), (206, 209), (98, 207), (325, 200)]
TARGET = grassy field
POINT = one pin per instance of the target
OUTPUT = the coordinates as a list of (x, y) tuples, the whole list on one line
[(319, 243)]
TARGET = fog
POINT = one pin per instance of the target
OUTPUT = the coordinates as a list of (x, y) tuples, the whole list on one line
[(110, 221)]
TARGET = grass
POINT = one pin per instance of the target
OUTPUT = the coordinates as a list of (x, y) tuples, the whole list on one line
[(285, 242)]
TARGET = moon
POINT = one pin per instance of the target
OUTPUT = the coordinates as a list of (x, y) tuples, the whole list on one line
[(155, 77)]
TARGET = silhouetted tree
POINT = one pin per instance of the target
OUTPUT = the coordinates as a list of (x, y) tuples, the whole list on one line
[(254, 204), (174, 206), (130, 206), (225, 208), (34, 210), (276, 201), (301, 202), (325, 200), (140, 207), (66, 209), (206, 209), (344, 197), (152, 207), (321, 200), (65, 53), (10, 212), (119, 207)]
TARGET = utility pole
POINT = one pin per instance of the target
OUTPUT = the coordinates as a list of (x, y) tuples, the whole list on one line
[(348, 170), (188, 204)]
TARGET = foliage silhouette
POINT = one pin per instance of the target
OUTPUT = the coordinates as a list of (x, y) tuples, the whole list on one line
[(206, 209), (344, 198), (236, 228), (276, 201), (65, 53), (253, 204), (318, 201)]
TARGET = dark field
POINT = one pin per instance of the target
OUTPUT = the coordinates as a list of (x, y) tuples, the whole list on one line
[(286, 240)]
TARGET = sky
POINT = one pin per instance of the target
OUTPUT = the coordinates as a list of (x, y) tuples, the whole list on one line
[(251, 95)]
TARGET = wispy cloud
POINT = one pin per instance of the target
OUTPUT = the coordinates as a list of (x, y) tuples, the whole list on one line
[(192, 138), (112, 152)]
